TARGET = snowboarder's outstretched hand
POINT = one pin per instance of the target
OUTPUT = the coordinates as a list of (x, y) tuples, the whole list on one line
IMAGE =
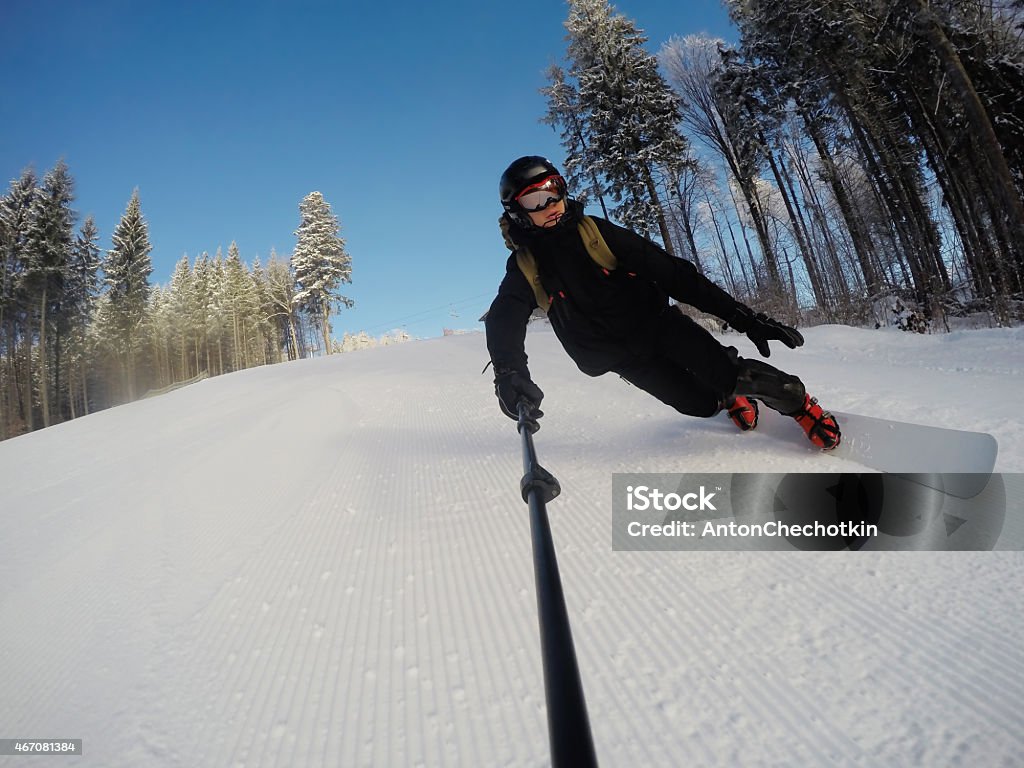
[(761, 329), (511, 385)]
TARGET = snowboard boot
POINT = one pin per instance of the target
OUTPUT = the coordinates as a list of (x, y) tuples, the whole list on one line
[(743, 412), (821, 427)]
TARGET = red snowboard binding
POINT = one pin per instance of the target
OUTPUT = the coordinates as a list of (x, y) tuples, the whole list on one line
[(743, 412), (821, 426)]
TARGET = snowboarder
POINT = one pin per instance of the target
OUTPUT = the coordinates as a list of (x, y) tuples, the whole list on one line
[(606, 292)]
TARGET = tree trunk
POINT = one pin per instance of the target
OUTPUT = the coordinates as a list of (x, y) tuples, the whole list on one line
[(44, 388), (802, 241), (691, 240), (27, 399), (652, 191), (726, 265), (326, 328), (862, 244), (750, 278), (58, 348), (294, 351), (85, 391)]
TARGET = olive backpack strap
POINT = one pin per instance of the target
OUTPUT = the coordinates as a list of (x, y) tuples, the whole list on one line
[(528, 266), (596, 245)]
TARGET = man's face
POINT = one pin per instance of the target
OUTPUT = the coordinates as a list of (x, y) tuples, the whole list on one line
[(548, 217)]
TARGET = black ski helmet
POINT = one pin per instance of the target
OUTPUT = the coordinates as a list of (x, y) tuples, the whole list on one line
[(519, 175)]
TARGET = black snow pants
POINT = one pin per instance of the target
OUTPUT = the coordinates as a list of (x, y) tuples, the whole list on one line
[(691, 371)]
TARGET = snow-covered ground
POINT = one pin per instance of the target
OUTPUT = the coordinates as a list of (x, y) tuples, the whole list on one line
[(328, 562)]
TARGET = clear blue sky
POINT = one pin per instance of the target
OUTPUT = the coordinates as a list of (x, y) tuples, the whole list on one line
[(226, 114)]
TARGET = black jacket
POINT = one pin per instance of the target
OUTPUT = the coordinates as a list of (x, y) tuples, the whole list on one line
[(602, 318)]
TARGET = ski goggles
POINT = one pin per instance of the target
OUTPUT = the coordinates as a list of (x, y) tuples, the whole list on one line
[(539, 196)]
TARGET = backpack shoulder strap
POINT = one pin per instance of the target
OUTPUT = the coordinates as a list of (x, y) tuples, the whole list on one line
[(528, 266), (596, 245)]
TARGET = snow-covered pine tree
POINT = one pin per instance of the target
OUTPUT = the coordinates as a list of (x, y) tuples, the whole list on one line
[(15, 360), (351, 342), (281, 295), (82, 280), (266, 342), (126, 269), (632, 115), (320, 262), (218, 312), (183, 329), (565, 115), (202, 319), (81, 290), (251, 317), (397, 336), (237, 293), (156, 330), (48, 249)]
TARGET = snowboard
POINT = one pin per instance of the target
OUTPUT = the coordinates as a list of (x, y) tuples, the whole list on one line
[(955, 461)]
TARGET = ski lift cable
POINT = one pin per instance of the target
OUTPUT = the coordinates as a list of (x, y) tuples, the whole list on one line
[(433, 310)]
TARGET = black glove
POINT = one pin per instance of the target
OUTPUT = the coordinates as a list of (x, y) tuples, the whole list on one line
[(511, 385), (760, 329)]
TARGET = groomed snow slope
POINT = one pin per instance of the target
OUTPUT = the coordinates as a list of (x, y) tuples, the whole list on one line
[(328, 563)]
